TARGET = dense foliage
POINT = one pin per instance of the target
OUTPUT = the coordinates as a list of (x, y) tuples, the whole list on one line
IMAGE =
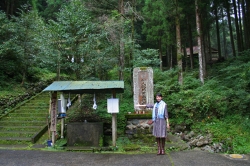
[(220, 107), (225, 93)]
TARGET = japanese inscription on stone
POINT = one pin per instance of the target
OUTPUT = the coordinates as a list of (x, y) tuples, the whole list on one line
[(143, 87)]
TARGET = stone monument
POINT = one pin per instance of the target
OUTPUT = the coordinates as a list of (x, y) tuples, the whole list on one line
[(143, 88)]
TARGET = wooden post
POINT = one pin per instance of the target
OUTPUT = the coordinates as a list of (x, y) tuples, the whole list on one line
[(62, 127), (53, 117), (114, 128), (53, 138), (114, 123)]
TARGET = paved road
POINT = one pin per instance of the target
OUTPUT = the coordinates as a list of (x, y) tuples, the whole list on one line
[(48, 158)]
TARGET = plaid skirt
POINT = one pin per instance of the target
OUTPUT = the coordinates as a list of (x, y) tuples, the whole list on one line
[(159, 129)]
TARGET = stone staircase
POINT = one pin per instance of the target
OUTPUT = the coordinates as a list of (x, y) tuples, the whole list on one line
[(26, 123)]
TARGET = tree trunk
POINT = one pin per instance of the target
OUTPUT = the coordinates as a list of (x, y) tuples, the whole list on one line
[(209, 47), (230, 27), (224, 34), (198, 26), (24, 77), (171, 56), (12, 6), (191, 51), (59, 69), (185, 58), (203, 45), (122, 44), (167, 55), (247, 15), (131, 57), (240, 26), (237, 26), (178, 42), (7, 2), (245, 24), (160, 52), (217, 31), (204, 51)]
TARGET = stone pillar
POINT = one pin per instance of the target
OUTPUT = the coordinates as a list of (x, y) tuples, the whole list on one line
[(143, 87)]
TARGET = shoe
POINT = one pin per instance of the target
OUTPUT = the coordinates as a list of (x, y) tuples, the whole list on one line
[(159, 151)]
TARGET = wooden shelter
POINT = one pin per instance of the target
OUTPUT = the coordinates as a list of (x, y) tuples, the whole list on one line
[(81, 87), (214, 52)]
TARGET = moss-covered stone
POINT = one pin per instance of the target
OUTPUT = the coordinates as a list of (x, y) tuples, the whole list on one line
[(144, 68), (131, 147)]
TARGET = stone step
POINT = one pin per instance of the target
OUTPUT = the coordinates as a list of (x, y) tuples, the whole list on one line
[(33, 106), (13, 146), (28, 114), (22, 123), (39, 104), (20, 118), (32, 111), (42, 100), (10, 140), (46, 100), (23, 134), (21, 128)]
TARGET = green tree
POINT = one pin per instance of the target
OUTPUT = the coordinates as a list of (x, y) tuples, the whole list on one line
[(7, 58), (155, 25), (48, 8), (20, 42), (78, 41)]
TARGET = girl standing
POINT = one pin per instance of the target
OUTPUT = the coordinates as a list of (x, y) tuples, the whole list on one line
[(160, 120)]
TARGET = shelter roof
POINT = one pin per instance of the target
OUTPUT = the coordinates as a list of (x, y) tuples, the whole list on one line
[(79, 87), (196, 50)]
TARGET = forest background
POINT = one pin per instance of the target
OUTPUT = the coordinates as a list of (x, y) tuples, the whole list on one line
[(46, 40)]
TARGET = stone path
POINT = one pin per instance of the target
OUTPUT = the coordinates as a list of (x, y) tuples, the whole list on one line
[(24, 124), (48, 158)]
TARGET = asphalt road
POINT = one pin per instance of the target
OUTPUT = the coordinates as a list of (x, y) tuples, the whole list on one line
[(49, 158)]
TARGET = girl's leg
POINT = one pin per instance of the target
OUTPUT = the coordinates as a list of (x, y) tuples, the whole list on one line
[(158, 140), (163, 145)]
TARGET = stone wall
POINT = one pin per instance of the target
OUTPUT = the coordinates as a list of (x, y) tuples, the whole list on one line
[(138, 128)]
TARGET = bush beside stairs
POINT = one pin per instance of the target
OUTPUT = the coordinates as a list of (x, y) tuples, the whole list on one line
[(26, 123)]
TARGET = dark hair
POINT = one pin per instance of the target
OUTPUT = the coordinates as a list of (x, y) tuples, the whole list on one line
[(159, 94)]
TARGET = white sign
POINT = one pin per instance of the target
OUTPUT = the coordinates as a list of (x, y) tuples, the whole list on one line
[(113, 105)]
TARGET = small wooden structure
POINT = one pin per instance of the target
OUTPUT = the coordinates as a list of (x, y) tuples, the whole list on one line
[(81, 87), (214, 52)]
